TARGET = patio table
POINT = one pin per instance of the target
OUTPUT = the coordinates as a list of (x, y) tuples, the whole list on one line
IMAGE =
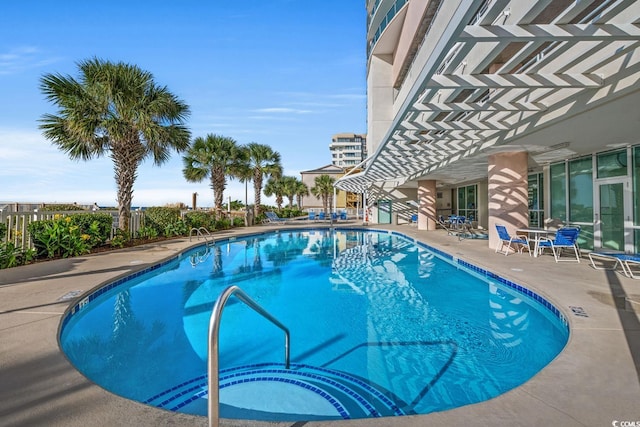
[(534, 235)]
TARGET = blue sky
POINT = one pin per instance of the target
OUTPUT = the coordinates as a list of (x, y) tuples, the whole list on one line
[(287, 73)]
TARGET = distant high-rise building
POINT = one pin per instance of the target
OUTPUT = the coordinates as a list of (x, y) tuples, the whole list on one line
[(348, 149)]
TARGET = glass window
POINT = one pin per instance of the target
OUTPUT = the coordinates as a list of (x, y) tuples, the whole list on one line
[(558, 192), (586, 238), (635, 173), (580, 194), (612, 163), (635, 176), (536, 200), (467, 202), (581, 190)]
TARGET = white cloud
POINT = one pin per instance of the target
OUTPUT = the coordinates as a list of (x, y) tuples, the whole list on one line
[(282, 110), (27, 156), (22, 58), (272, 118)]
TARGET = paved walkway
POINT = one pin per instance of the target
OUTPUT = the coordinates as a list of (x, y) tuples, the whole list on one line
[(593, 382)]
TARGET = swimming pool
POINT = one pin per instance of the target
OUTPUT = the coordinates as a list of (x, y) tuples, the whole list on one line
[(380, 326)]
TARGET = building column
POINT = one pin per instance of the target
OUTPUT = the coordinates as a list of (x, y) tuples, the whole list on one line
[(427, 204), (508, 193)]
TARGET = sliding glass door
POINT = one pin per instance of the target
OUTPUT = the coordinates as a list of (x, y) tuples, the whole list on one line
[(614, 202), (610, 222)]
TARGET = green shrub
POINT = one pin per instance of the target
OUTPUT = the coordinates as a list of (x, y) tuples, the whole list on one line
[(165, 220), (147, 232), (223, 224), (59, 237), (197, 219), (238, 222), (60, 207), (10, 256), (70, 235), (97, 226), (36, 230), (176, 228), (289, 212), (120, 239), (3, 231)]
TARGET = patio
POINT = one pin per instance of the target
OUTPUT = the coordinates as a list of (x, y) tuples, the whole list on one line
[(595, 381)]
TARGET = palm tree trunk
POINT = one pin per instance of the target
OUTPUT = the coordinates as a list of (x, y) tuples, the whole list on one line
[(257, 187), (126, 167), (218, 185)]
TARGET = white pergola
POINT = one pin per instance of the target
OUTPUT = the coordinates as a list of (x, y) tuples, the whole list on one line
[(561, 88)]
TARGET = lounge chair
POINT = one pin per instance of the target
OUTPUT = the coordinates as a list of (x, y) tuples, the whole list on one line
[(312, 216), (566, 237), (272, 217), (321, 216), (457, 221), (462, 230), (624, 260), (519, 242), (343, 216), (414, 220)]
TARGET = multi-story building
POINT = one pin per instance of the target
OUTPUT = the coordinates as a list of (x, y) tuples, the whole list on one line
[(348, 149), (312, 203), (344, 200), (513, 112)]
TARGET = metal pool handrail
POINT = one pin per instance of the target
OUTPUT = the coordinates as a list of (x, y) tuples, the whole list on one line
[(200, 232), (213, 357)]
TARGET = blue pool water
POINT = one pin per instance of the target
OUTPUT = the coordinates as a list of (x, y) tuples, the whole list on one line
[(380, 326)]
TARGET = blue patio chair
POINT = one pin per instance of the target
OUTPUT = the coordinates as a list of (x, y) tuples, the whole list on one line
[(414, 220), (519, 242), (626, 261), (566, 237), (343, 216), (334, 216), (312, 216), (321, 216)]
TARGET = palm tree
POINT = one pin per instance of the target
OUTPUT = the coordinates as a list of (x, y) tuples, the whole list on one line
[(275, 186), (214, 157), (289, 186), (115, 110), (301, 191), (264, 162), (324, 191)]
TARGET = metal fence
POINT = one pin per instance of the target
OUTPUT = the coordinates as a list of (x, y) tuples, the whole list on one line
[(18, 223)]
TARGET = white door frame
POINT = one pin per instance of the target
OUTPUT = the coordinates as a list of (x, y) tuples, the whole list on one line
[(628, 211)]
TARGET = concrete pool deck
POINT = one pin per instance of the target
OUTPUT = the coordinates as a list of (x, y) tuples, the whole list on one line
[(593, 382)]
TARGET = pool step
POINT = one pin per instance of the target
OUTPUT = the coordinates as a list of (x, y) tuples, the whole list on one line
[(303, 391)]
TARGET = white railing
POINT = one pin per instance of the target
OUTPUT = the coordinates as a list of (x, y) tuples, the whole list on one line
[(18, 223)]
